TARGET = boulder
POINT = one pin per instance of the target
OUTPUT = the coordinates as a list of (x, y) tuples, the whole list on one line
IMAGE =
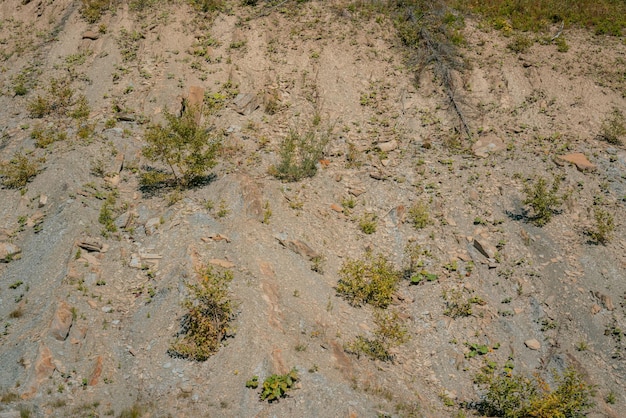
[(61, 322)]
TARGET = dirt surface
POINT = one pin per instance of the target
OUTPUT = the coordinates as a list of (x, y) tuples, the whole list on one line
[(392, 144)]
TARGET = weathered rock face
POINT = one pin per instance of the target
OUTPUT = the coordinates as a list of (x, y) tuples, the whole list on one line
[(61, 322), (488, 145)]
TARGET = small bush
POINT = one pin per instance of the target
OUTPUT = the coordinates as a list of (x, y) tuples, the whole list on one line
[(299, 154), (390, 332), (367, 223), (206, 323), (418, 215), (458, 305), (518, 396), (186, 148), (605, 225), (58, 99), (371, 280), (544, 202), (106, 217), (276, 386), (17, 172), (44, 137), (614, 127), (520, 44), (92, 10)]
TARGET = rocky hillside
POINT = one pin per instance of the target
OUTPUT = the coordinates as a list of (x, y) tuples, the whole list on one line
[(496, 218)]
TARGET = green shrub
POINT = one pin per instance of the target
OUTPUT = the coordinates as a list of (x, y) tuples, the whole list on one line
[(276, 386), (544, 202), (44, 137), (299, 154), (518, 396), (209, 312), (106, 217), (186, 148), (367, 223), (371, 280), (605, 225), (92, 10), (17, 172), (458, 305), (58, 99), (390, 332), (614, 127), (418, 215), (520, 44)]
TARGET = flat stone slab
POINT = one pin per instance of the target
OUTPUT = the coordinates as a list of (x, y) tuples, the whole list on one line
[(579, 160), (488, 145)]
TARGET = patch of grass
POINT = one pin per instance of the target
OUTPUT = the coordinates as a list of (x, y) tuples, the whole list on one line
[(605, 16), (372, 280), (544, 202), (92, 10), (510, 395), (520, 44), (135, 411), (389, 333), (614, 127), (106, 217), (17, 172), (209, 313), (299, 154), (57, 100), (458, 305), (186, 148), (128, 43)]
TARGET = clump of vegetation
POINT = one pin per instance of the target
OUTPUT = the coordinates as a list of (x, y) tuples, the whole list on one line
[(92, 10), (129, 44), (367, 223), (106, 217), (510, 395), (413, 265), (458, 305), (209, 313), (57, 100), (299, 154), (17, 172), (275, 386), (544, 202), (372, 280), (390, 332), (520, 44), (614, 127), (187, 148), (418, 215), (46, 136), (605, 225)]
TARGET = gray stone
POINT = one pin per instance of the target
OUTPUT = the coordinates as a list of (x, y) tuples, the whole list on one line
[(246, 103), (485, 248)]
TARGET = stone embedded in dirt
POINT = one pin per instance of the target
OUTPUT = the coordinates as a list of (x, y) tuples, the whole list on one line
[(485, 248), (91, 35), (579, 160), (488, 145), (90, 245), (245, 103), (44, 365), (215, 237), (606, 300), (97, 371), (532, 344), (9, 251), (387, 146), (301, 248), (595, 308), (61, 322), (43, 200), (222, 263), (152, 225), (150, 256), (336, 208)]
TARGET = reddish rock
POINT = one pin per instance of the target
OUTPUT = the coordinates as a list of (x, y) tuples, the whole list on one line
[(9, 252), (222, 263), (62, 322), (336, 208), (579, 160), (89, 34), (532, 344), (97, 371)]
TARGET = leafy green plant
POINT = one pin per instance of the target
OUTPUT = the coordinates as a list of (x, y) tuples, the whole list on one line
[(17, 172), (106, 217), (605, 226), (544, 202), (390, 332), (299, 154), (418, 215), (276, 386), (614, 127), (209, 313), (510, 395), (185, 147), (372, 280)]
